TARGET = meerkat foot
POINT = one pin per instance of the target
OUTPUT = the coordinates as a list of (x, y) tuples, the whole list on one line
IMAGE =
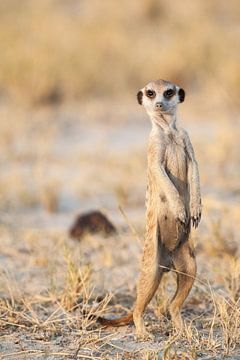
[(141, 331), (143, 335), (176, 318)]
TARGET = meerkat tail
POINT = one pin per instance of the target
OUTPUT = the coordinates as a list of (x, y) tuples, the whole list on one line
[(125, 320)]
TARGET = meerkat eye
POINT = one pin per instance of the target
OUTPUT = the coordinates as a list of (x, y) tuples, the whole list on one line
[(168, 93), (150, 93)]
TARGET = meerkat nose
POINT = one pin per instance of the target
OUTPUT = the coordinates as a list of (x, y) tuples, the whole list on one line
[(158, 105)]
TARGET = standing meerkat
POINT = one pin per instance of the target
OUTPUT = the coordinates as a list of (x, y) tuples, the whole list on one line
[(173, 203)]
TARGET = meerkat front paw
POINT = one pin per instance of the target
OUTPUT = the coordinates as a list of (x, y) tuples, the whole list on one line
[(180, 213), (196, 212)]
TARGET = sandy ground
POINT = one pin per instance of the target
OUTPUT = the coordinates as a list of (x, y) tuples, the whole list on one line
[(56, 163)]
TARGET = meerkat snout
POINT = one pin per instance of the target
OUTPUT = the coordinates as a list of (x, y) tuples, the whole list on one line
[(159, 105)]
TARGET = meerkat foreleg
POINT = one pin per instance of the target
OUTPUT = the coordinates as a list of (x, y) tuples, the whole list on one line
[(194, 184), (195, 197), (171, 193), (185, 265)]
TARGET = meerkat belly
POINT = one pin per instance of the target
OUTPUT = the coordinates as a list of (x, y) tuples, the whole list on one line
[(170, 232)]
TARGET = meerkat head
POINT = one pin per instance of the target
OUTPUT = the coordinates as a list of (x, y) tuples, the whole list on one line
[(160, 97)]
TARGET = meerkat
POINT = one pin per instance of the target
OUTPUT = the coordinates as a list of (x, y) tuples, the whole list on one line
[(173, 205)]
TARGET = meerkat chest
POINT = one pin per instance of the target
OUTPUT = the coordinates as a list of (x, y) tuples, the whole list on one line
[(175, 157)]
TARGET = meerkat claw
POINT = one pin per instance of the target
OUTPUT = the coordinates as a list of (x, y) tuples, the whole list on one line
[(194, 222)]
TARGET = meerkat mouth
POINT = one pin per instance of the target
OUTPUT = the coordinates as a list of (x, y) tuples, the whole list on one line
[(164, 111)]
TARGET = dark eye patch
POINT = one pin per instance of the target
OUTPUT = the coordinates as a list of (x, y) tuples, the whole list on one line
[(139, 97), (181, 95), (169, 93), (150, 93)]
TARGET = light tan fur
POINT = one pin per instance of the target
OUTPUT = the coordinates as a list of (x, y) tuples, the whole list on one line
[(173, 200)]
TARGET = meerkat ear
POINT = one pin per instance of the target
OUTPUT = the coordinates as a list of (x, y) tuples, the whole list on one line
[(139, 97), (181, 95)]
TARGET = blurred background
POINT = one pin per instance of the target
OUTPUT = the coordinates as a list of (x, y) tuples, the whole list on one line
[(60, 50), (73, 137)]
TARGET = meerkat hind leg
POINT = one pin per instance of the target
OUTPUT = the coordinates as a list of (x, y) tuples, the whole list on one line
[(184, 262), (149, 280)]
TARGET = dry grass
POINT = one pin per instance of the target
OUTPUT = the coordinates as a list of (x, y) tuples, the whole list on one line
[(61, 323), (43, 318)]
